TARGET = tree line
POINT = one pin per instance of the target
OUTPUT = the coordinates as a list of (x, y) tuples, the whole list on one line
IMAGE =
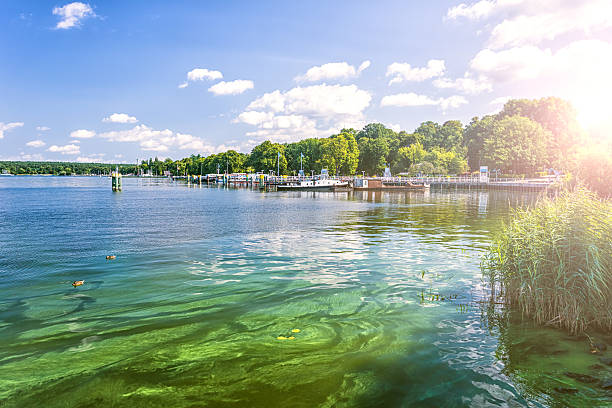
[(62, 168), (524, 138)]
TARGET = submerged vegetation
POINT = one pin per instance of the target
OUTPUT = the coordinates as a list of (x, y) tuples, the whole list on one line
[(553, 262)]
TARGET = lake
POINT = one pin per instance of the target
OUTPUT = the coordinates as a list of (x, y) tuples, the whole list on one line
[(237, 297)]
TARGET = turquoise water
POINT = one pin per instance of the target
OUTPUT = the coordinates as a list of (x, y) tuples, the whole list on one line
[(199, 306)]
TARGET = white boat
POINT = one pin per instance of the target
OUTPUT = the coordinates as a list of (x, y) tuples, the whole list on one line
[(6, 173), (313, 184), (319, 183)]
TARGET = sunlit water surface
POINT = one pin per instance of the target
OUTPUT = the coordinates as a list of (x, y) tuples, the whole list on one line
[(206, 280)]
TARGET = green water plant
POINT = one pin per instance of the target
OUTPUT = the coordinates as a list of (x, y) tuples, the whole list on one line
[(553, 262)]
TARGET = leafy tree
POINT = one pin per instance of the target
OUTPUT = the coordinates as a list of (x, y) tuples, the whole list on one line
[(516, 144), (407, 156), (473, 138), (427, 132), (594, 167), (450, 135), (264, 157), (372, 155), (557, 116), (424, 168), (311, 151)]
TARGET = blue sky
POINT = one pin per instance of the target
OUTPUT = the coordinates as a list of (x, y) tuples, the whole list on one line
[(115, 81)]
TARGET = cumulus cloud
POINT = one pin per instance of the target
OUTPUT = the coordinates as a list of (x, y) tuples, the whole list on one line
[(160, 140), (232, 87), (332, 71), (467, 84), (72, 14), (5, 127), (36, 143), (82, 134), (500, 100), (401, 72), (302, 112), (120, 118), (514, 63), (66, 149), (92, 158), (200, 74), (578, 72), (411, 99), (530, 23), (480, 9), (31, 157), (564, 17), (42, 128)]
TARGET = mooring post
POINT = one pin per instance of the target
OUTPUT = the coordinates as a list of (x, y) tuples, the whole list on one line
[(116, 180)]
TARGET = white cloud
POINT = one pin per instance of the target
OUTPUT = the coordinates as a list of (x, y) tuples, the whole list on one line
[(363, 66), (71, 14), (232, 87), (405, 72), (66, 149), (551, 20), (530, 23), (200, 74), (452, 102), (82, 134), (332, 71), (480, 9), (412, 99), (92, 158), (467, 84), (5, 127), (31, 157), (500, 101), (160, 140), (120, 118), (514, 63), (311, 111), (36, 143), (578, 72), (42, 128)]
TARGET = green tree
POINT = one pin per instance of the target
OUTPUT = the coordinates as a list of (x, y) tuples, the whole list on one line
[(516, 144), (264, 156), (450, 135), (427, 132), (473, 138), (557, 116), (372, 155), (407, 156)]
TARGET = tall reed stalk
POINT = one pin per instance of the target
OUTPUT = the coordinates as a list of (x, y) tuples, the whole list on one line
[(554, 262)]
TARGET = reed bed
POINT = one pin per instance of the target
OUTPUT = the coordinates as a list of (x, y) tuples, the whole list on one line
[(554, 262)]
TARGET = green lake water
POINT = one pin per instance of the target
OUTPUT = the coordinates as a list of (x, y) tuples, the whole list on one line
[(384, 288)]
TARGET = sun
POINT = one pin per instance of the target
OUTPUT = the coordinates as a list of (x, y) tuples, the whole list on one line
[(593, 114)]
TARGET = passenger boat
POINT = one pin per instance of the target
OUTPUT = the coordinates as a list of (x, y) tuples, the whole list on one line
[(313, 184), (321, 182)]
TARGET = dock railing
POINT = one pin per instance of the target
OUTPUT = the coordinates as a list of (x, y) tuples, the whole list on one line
[(462, 180)]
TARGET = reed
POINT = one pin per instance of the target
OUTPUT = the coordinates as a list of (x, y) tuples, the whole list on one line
[(554, 262)]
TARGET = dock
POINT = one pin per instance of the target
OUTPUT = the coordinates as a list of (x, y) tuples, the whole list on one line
[(271, 182)]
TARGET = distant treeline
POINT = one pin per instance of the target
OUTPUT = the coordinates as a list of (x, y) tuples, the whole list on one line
[(526, 137), (63, 168)]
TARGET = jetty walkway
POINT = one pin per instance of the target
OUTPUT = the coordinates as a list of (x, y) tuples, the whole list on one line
[(436, 182)]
